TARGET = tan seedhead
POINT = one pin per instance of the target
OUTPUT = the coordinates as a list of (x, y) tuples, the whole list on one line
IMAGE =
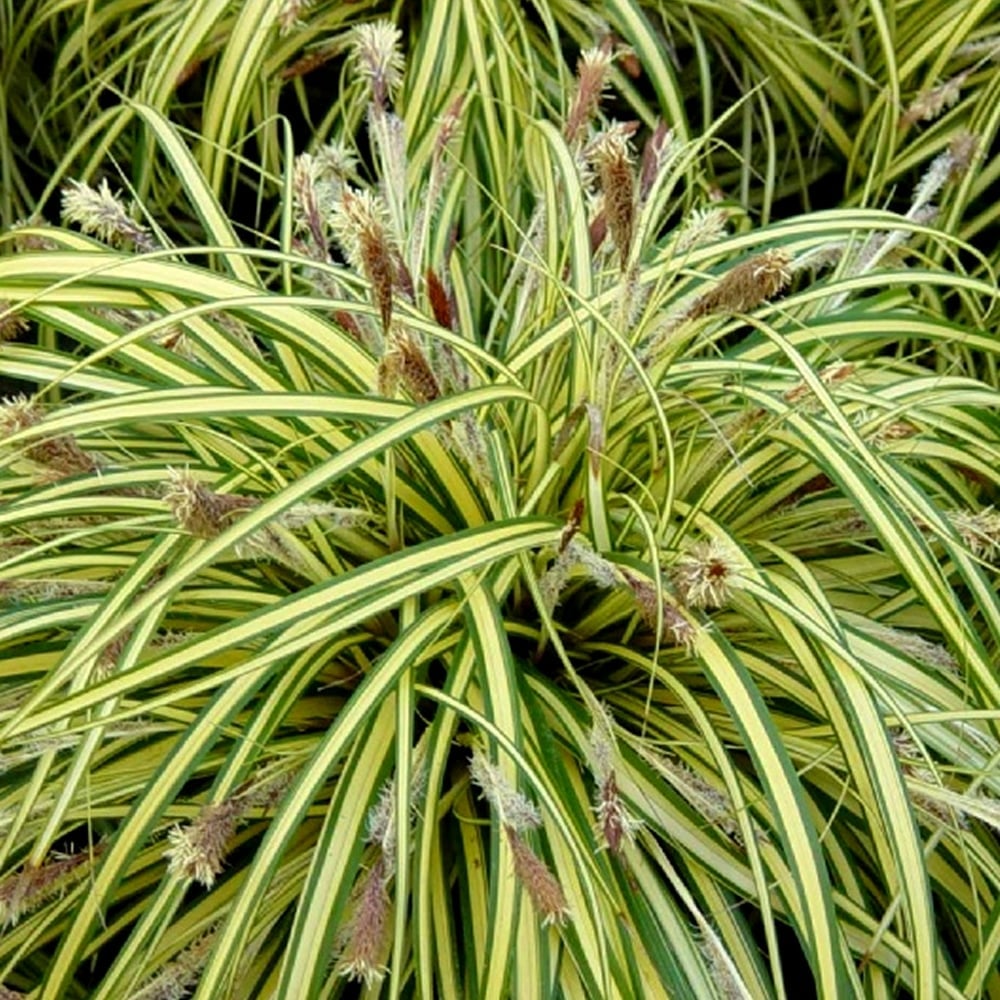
[(512, 808), (616, 824), (360, 222), (198, 850), (591, 77), (611, 155), (715, 807), (12, 324), (928, 104), (542, 886), (656, 611), (25, 890), (656, 153), (912, 763), (101, 213), (199, 510), (979, 530), (59, 455), (746, 286)]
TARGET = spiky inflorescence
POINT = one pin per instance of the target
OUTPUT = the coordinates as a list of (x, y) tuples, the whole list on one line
[(365, 938), (928, 104), (100, 212), (178, 978), (913, 645), (616, 824), (656, 611), (746, 286), (912, 763), (199, 510), (377, 55), (720, 964), (575, 554), (701, 227), (657, 152), (415, 371), (542, 886), (947, 167), (60, 455), (512, 808), (979, 530), (198, 850), (12, 324), (705, 575), (591, 76), (38, 589), (611, 155), (712, 805), (361, 227), (27, 889)]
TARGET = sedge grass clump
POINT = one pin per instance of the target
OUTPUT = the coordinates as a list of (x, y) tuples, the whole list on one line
[(498, 560)]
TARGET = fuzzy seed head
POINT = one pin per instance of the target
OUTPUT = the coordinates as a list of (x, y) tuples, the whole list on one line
[(198, 850), (197, 509), (979, 530), (415, 371), (25, 890), (376, 51), (713, 806), (705, 575), (513, 809), (12, 325), (178, 978), (591, 77), (616, 823), (913, 645), (656, 611), (542, 887), (101, 213), (366, 935), (930, 103), (723, 972), (360, 224), (964, 148), (59, 455), (658, 151), (611, 154), (747, 285), (702, 227)]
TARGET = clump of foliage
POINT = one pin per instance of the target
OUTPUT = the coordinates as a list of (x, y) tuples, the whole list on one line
[(513, 574)]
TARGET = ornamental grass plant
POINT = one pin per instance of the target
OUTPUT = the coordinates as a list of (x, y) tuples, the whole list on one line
[(494, 563)]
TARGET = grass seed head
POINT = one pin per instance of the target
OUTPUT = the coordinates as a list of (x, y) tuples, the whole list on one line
[(197, 509), (591, 77), (99, 212), (706, 574), (542, 886), (365, 938), (377, 53)]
